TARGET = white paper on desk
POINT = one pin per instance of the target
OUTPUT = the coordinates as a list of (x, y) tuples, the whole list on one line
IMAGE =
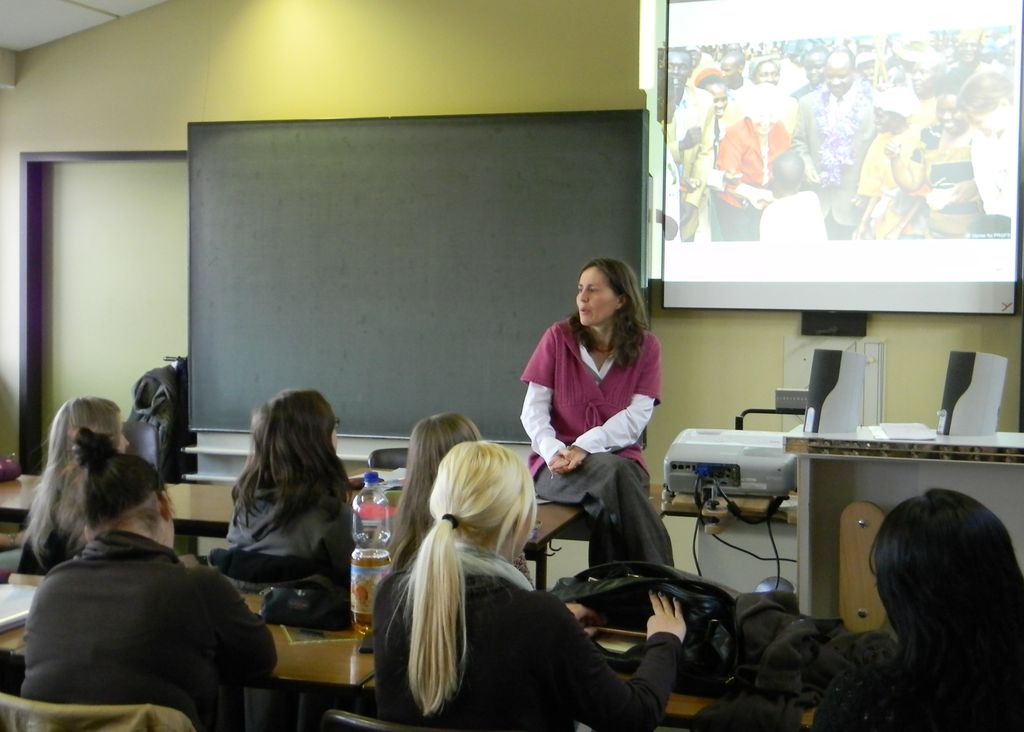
[(914, 431), (15, 601)]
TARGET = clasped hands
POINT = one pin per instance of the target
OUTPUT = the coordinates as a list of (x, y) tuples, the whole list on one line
[(567, 460)]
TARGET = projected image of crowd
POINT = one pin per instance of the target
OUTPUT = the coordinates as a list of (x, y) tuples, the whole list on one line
[(802, 141)]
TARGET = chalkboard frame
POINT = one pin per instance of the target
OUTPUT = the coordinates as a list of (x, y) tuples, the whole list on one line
[(391, 214)]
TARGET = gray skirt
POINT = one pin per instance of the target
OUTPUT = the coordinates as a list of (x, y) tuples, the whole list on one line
[(615, 493)]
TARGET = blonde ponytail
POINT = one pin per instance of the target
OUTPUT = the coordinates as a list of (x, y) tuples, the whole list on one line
[(438, 638), (485, 495)]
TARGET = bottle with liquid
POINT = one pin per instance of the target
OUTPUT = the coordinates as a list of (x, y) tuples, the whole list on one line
[(371, 561)]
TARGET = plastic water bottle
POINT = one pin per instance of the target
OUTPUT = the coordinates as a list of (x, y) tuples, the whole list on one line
[(371, 561)]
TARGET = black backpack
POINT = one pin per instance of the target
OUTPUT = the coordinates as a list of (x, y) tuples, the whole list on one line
[(618, 591), (156, 400)]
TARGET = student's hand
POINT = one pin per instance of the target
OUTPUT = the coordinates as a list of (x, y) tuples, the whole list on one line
[(893, 148), (590, 619), (812, 177), (667, 618)]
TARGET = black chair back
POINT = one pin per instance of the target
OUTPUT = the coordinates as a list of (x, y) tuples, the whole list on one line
[(388, 458), (338, 720)]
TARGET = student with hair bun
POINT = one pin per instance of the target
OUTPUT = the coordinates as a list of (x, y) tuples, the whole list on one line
[(55, 521), (461, 641), (126, 622)]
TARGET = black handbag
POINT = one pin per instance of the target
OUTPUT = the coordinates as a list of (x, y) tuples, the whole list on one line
[(619, 591), (311, 606)]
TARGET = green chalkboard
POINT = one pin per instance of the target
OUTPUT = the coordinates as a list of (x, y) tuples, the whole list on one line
[(401, 266)]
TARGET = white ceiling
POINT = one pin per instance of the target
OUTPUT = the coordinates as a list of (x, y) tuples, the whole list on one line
[(26, 24)]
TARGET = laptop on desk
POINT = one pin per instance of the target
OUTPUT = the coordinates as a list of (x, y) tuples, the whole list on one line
[(15, 601)]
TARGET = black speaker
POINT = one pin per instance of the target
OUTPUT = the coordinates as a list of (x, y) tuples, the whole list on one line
[(835, 394), (973, 393)]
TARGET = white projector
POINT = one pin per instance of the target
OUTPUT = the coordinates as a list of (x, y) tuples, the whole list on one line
[(744, 462)]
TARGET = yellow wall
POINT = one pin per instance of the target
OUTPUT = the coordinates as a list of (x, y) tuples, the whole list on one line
[(135, 83), (103, 331)]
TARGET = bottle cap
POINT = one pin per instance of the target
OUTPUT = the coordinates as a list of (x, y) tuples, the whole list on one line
[(371, 476)]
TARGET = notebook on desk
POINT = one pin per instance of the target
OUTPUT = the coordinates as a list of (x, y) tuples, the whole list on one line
[(15, 601)]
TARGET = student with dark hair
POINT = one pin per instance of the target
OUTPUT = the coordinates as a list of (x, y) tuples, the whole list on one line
[(126, 622), (950, 583), (431, 439), (592, 384), (291, 500), (461, 641)]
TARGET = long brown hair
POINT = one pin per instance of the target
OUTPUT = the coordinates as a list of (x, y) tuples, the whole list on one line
[(630, 322), (293, 462), (431, 439)]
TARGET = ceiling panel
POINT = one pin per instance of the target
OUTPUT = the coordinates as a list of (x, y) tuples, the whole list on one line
[(25, 24)]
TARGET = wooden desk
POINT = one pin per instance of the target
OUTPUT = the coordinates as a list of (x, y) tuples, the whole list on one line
[(200, 509), (204, 509), (335, 664), (555, 520)]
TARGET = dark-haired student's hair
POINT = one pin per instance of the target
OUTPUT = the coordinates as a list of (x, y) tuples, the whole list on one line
[(951, 585), (630, 324), (293, 463), (114, 484)]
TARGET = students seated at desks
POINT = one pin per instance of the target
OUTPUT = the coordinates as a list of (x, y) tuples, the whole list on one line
[(950, 583), (56, 520), (592, 384), (292, 517), (461, 641), (126, 622)]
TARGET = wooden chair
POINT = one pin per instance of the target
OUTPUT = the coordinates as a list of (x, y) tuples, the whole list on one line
[(25, 715), (388, 458), (860, 607), (337, 720)]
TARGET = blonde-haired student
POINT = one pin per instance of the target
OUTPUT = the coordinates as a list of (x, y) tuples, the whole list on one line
[(462, 641)]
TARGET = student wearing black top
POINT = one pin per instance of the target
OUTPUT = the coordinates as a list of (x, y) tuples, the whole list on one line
[(126, 622), (948, 577), (461, 641)]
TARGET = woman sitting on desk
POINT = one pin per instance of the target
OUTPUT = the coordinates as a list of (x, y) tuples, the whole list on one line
[(950, 583), (126, 622), (593, 382), (56, 521), (462, 642), (292, 517)]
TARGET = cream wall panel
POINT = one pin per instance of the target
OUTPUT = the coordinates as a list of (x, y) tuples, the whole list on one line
[(117, 282)]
